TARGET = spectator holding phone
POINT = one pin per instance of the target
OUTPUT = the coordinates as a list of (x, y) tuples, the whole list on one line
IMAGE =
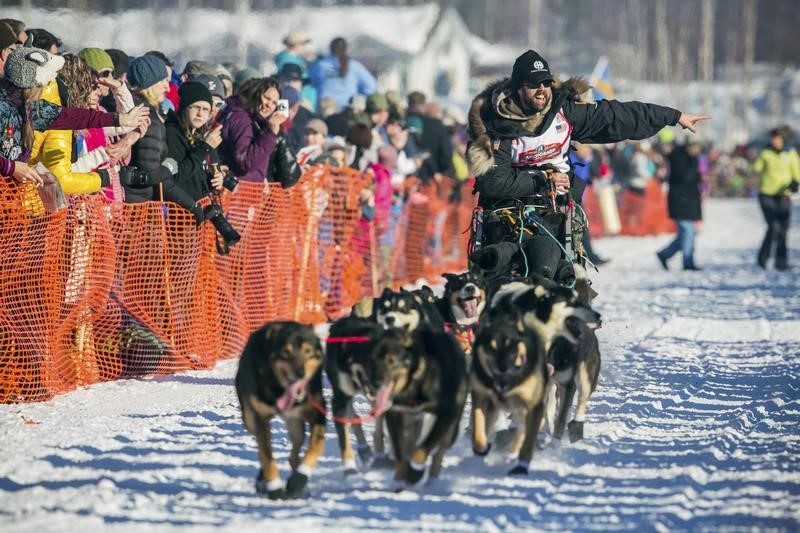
[(251, 124)]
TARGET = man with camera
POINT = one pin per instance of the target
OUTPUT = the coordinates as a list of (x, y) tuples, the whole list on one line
[(521, 129)]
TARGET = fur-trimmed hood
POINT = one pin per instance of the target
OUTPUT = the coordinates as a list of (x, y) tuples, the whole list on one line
[(493, 115)]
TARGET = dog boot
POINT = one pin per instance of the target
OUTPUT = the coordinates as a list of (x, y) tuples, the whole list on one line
[(296, 484), (520, 470), (484, 452), (365, 454), (382, 462), (414, 472), (273, 490), (575, 429)]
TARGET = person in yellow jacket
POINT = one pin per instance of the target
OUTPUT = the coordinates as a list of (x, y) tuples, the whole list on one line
[(779, 175), (53, 148)]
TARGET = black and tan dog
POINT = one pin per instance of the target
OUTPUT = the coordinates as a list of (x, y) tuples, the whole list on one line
[(576, 369), (508, 374), (280, 374), (350, 367), (463, 303), (408, 310), (424, 373)]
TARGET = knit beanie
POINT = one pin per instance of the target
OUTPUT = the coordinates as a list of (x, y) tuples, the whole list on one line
[(7, 37), (531, 68), (191, 92), (97, 58), (247, 73), (29, 67), (212, 83), (145, 71)]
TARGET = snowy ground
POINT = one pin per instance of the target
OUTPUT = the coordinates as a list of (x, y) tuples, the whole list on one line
[(695, 425)]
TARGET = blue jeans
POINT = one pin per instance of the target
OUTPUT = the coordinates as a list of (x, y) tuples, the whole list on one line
[(684, 242)]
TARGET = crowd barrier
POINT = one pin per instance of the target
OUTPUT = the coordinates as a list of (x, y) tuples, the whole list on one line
[(101, 291), (633, 214)]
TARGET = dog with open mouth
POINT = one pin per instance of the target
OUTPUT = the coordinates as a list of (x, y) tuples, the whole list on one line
[(464, 300), (422, 372), (350, 368), (280, 375), (407, 310)]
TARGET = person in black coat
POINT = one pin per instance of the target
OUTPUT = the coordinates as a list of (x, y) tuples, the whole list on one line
[(683, 202), (147, 177), (521, 129)]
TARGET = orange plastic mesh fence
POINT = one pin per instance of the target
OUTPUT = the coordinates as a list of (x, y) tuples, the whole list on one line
[(102, 291), (645, 214)]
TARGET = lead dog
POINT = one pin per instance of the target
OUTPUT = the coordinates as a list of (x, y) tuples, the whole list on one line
[(280, 375), (508, 374), (425, 373)]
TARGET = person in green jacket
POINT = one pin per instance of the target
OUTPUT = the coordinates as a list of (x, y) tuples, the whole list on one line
[(779, 175)]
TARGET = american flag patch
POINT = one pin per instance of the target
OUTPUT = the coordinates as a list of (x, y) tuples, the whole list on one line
[(560, 127)]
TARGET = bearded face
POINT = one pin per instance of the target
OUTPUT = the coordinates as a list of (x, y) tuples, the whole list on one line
[(536, 97)]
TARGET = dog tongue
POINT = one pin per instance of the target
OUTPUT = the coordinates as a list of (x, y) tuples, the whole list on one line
[(381, 400), (470, 307), (292, 392)]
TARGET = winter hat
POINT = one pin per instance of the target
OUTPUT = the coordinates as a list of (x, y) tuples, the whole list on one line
[(531, 68), (196, 68), (377, 102), (222, 73), (318, 126), (29, 67), (291, 94), (7, 36), (145, 71), (296, 37), (191, 92), (290, 72), (97, 58), (245, 74), (212, 83)]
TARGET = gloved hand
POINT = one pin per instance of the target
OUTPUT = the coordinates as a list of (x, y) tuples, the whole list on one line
[(105, 178), (794, 186)]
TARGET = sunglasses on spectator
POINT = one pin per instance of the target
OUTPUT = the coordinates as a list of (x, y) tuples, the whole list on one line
[(546, 84), (105, 73), (219, 105)]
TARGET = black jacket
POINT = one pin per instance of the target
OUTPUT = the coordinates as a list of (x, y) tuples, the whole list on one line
[(283, 167), (194, 160), (605, 121), (436, 140), (296, 136), (147, 155), (684, 185)]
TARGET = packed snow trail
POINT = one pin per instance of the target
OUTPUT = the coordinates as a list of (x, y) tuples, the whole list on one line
[(694, 425)]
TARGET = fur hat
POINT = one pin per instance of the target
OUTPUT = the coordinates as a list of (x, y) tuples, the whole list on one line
[(145, 71), (29, 67)]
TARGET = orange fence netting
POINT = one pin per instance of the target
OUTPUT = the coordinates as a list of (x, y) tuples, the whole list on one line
[(101, 291)]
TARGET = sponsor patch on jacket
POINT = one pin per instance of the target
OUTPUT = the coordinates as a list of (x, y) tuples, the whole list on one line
[(540, 154)]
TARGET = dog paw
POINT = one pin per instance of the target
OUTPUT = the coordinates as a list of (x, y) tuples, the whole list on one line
[(350, 472), (575, 431), (365, 454), (414, 473), (484, 452), (296, 485), (272, 489), (519, 470), (382, 462)]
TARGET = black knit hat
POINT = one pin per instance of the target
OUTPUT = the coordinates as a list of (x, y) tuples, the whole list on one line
[(7, 36), (193, 91), (531, 68)]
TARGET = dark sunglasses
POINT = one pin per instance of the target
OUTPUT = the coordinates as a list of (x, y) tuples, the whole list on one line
[(104, 73), (546, 84)]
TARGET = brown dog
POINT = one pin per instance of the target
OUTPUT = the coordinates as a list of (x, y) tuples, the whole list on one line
[(280, 374)]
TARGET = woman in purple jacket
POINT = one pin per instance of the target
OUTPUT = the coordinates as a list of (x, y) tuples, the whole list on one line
[(252, 143)]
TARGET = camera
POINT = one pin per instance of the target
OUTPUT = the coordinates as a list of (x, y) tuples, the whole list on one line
[(283, 107), (229, 235), (230, 181)]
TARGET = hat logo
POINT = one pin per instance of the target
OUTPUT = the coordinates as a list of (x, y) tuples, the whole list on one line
[(538, 65)]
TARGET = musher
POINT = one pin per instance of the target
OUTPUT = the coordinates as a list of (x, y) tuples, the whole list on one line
[(529, 219)]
